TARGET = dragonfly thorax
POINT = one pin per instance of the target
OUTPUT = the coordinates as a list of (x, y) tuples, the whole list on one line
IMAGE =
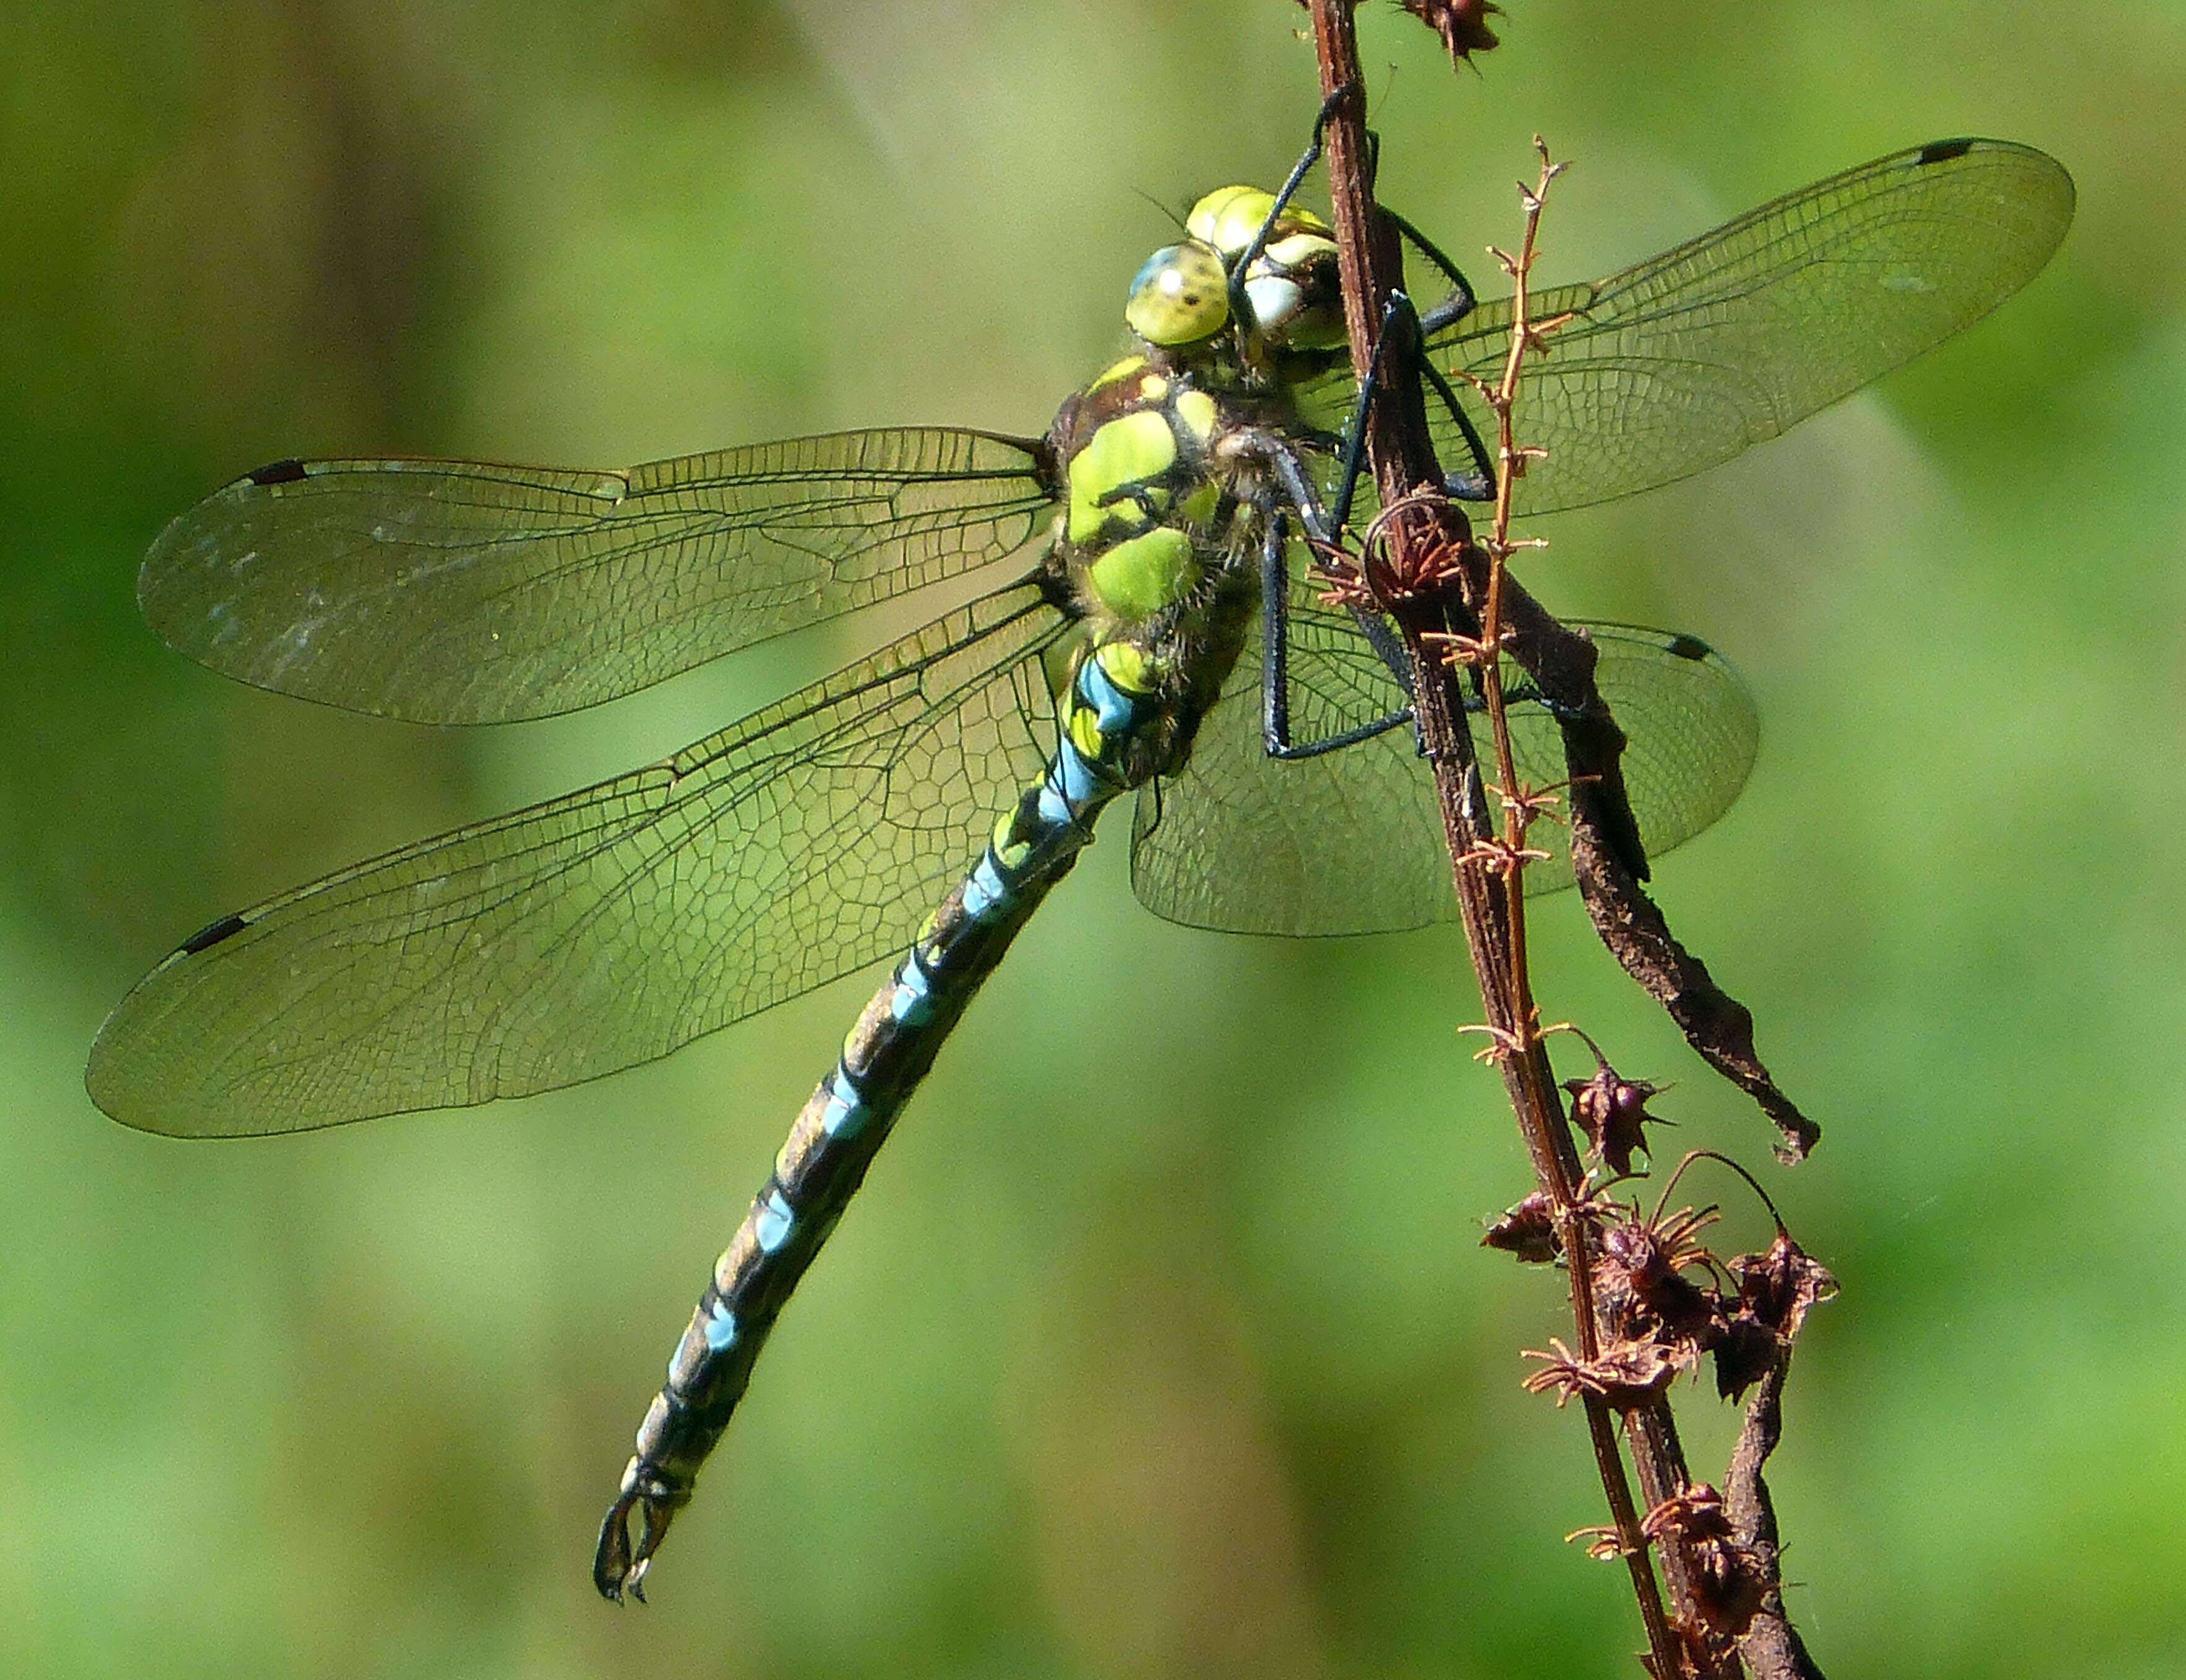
[(1162, 483), (1135, 445)]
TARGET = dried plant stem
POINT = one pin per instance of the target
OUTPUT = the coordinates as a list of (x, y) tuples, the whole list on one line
[(1437, 570)]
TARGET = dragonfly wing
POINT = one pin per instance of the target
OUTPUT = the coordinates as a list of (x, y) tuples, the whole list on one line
[(606, 927), (1347, 842), (1351, 842), (453, 591), (1680, 362), (1692, 732)]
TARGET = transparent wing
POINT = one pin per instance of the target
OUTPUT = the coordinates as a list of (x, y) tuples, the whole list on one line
[(1345, 842), (455, 592), (1682, 362), (1351, 842), (606, 927)]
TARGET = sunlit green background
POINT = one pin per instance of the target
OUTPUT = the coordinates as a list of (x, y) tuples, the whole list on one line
[(1159, 1344)]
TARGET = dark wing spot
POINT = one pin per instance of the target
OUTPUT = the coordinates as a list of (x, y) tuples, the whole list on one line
[(1688, 648), (212, 934), (286, 471), (1943, 151)]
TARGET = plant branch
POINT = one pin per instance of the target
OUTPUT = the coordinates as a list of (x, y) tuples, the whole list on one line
[(1428, 538)]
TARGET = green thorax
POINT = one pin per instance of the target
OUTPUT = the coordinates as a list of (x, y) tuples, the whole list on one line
[(1167, 489)]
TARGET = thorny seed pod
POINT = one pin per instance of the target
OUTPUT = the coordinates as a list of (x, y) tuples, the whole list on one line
[(1527, 1230), (1640, 1279), (1696, 1514), (1776, 1289), (1612, 1111), (1780, 1286), (1627, 1374), (1744, 1353), (1730, 1581), (1462, 25)]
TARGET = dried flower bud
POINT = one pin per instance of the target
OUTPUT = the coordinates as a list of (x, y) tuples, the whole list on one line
[(1627, 1374), (1775, 1290), (1462, 25), (1526, 1230), (1697, 1514), (1729, 1579), (1640, 1278), (1612, 1111), (1779, 1286)]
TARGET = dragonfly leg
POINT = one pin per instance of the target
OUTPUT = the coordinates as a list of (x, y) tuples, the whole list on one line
[(1477, 485), (1311, 156), (1401, 324), (1274, 664), (1400, 334), (1461, 300)]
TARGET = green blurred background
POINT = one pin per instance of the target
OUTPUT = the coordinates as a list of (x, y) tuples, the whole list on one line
[(1159, 1343)]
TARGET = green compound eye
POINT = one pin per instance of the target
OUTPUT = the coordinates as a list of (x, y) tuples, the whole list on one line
[(1181, 296), (1228, 217)]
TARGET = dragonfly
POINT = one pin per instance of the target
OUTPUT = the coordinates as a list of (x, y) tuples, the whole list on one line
[(1162, 637)]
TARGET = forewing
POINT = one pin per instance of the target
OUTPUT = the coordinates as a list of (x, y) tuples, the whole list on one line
[(453, 591), (1682, 362), (608, 927), (1351, 842)]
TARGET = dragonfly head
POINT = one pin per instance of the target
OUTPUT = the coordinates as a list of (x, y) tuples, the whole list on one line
[(1291, 289), (1287, 298)]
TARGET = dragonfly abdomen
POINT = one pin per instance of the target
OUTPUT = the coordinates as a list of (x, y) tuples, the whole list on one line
[(1115, 700)]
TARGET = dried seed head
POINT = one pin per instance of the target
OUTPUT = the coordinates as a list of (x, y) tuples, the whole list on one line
[(1612, 1111), (1626, 1374), (1781, 1284), (1776, 1289), (1697, 1514), (1746, 1352), (1639, 1280), (1526, 1230), (1461, 24), (1731, 1580)]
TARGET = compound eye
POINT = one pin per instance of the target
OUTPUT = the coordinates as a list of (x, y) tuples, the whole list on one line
[(1229, 217), (1181, 296)]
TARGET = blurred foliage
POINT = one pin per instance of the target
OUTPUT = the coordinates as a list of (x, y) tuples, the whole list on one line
[(1159, 1344)]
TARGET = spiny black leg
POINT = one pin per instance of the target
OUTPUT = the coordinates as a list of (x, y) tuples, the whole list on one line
[(1479, 483), (1299, 171), (1397, 317), (1275, 639), (1305, 504), (1275, 659), (1298, 484), (1462, 298), (1314, 147)]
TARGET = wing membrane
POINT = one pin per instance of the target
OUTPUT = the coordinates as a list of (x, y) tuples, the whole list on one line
[(1680, 362), (1351, 842), (606, 927), (452, 591)]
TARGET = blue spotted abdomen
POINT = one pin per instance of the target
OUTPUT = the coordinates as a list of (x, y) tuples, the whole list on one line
[(1114, 700)]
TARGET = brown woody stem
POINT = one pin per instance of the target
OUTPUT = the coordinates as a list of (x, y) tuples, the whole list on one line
[(1437, 603)]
